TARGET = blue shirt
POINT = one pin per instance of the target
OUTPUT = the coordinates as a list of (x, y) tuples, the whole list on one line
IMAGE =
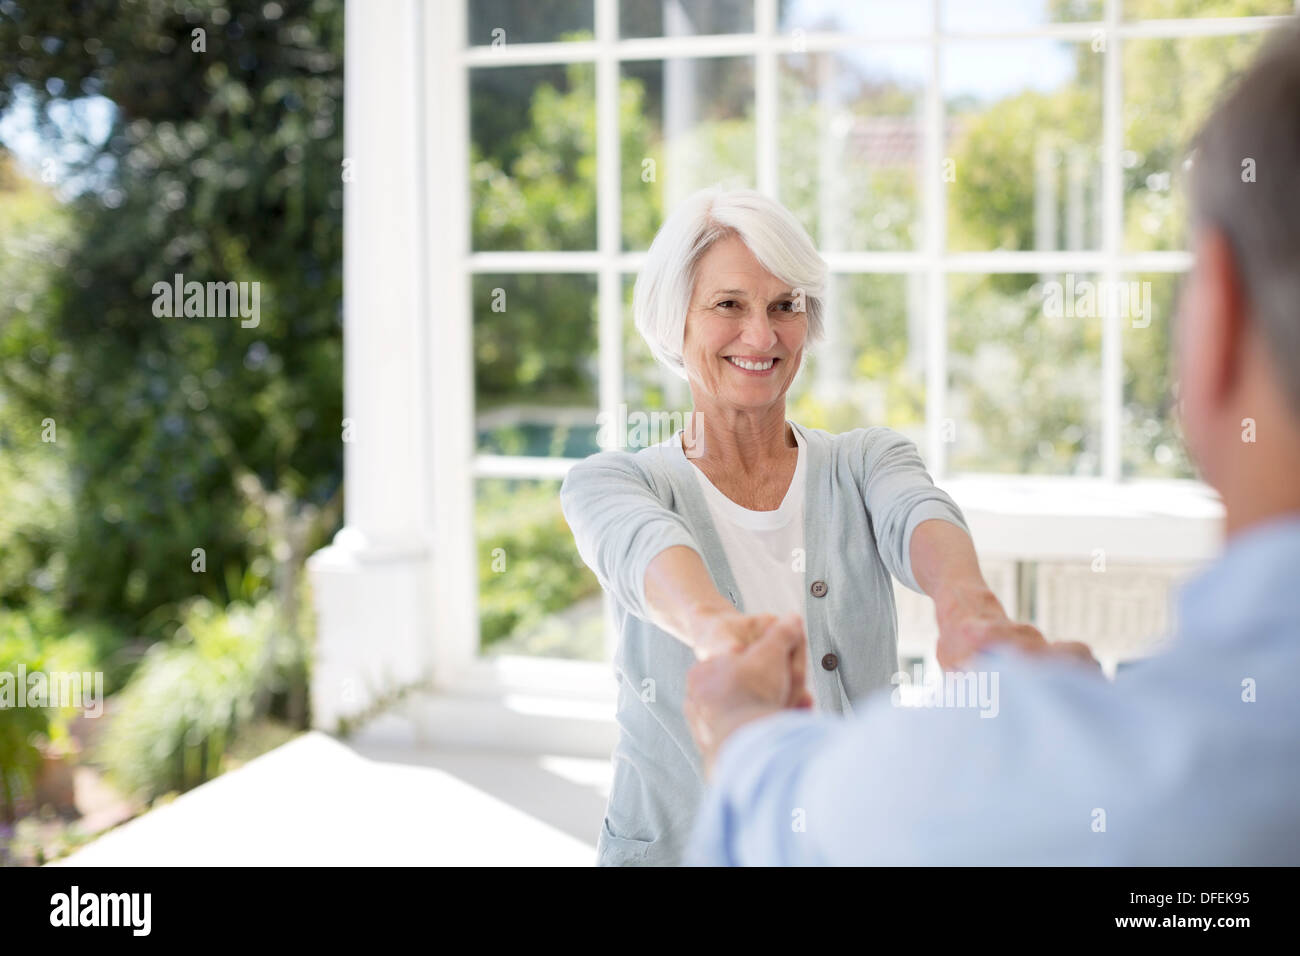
[(1189, 757)]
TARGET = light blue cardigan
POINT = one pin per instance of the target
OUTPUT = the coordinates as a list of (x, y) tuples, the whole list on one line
[(866, 491)]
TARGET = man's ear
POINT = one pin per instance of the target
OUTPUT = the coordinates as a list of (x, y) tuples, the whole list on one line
[(1222, 315)]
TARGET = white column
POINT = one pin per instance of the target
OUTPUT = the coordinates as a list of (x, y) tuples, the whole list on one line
[(371, 584)]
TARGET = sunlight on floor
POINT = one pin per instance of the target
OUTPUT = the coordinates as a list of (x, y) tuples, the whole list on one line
[(318, 801)]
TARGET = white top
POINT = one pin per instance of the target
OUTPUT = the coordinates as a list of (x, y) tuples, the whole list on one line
[(764, 548)]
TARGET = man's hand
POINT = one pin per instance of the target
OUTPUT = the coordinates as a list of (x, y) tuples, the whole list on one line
[(726, 691), (972, 620)]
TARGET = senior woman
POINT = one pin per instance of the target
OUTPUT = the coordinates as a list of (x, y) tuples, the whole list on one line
[(704, 540)]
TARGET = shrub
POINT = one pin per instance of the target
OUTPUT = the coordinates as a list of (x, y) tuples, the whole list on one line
[(36, 640), (190, 696)]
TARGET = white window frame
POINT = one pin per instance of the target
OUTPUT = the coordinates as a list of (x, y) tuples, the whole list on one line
[(1191, 515)]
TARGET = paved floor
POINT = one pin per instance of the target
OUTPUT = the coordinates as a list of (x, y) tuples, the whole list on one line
[(319, 801)]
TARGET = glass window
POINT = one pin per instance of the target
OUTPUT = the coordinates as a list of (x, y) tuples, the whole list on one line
[(852, 144), (535, 365), (536, 597), (863, 18), (1020, 139), (964, 16), (532, 150), (688, 123), (1022, 162), (1024, 372), (675, 18), (497, 22), (1151, 436), (1184, 9), (870, 368), (1170, 85)]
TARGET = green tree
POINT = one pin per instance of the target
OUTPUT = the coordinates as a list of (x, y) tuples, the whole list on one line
[(223, 164)]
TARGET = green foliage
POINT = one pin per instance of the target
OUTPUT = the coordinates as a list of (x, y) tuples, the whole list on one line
[(221, 164), (38, 640), (20, 727), (533, 184), (1026, 383), (534, 337), (1153, 443), (537, 191), (1179, 81), (528, 565), (1140, 9), (35, 485), (991, 197), (189, 698)]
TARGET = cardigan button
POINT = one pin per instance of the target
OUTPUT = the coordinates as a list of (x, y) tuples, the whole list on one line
[(830, 662), (818, 589)]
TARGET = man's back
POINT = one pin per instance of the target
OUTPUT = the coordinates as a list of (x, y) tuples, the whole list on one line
[(1190, 757)]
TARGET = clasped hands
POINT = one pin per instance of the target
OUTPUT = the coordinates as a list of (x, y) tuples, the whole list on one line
[(754, 665)]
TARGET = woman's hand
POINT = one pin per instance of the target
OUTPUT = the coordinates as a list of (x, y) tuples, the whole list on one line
[(727, 631), (682, 600), (971, 619), (732, 633), (970, 616)]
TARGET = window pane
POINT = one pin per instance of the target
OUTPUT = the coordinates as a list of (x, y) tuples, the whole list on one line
[(673, 18), (532, 157), (1023, 155), (529, 21), (870, 369), (1154, 9), (535, 365), (1152, 439), (536, 597), (863, 17), (1170, 87), (851, 146), (685, 123), (1024, 373), (962, 15)]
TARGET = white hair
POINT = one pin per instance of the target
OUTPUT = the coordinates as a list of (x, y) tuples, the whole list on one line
[(666, 282)]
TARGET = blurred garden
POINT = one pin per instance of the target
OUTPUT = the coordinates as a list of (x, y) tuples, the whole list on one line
[(162, 480)]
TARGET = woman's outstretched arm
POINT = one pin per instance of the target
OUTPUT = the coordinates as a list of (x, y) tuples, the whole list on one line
[(645, 555), (969, 614), (682, 600)]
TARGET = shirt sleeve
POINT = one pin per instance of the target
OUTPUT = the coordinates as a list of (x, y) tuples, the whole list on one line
[(620, 524), (899, 495), (900, 786), (751, 816)]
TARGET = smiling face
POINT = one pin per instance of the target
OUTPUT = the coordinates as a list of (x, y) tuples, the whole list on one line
[(744, 340)]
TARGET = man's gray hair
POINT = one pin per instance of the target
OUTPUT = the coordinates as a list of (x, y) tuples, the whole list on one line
[(1245, 181), (667, 280)]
